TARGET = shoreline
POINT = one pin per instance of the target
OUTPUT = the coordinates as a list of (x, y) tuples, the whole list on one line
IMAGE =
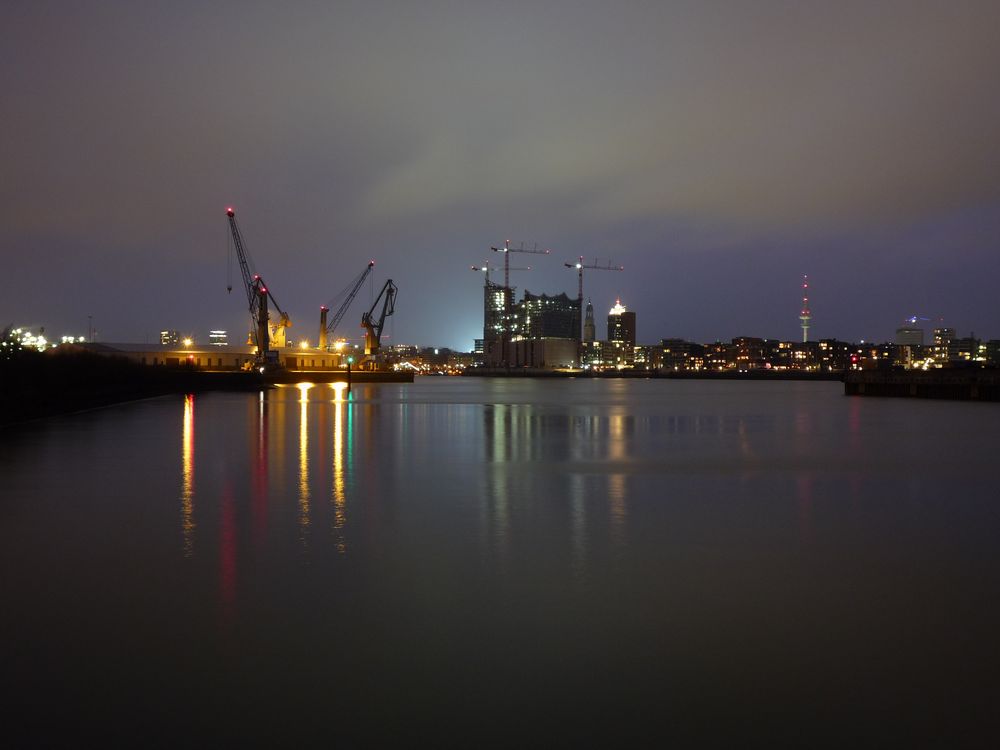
[(37, 386), (654, 374)]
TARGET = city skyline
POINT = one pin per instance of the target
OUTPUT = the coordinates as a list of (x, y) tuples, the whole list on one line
[(718, 152)]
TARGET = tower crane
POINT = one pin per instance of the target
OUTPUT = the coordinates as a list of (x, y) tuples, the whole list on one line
[(507, 250), (373, 328), (595, 266), (326, 331), (508, 292), (257, 297), (487, 267)]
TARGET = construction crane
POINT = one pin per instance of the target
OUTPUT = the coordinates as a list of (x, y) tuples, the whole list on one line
[(373, 328), (595, 266), (257, 297), (508, 292), (487, 267), (326, 331), (507, 250)]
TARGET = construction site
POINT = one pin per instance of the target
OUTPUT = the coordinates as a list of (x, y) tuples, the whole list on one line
[(540, 332)]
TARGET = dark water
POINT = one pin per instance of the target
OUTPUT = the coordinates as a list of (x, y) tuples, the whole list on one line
[(468, 562)]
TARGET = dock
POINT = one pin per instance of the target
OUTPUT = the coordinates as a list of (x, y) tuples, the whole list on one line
[(955, 384)]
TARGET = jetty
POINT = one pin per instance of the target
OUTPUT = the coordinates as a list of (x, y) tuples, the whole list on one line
[(958, 384)]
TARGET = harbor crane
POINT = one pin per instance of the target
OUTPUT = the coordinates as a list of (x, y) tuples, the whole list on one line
[(373, 328), (595, 266), (351, 291), (257, 297)]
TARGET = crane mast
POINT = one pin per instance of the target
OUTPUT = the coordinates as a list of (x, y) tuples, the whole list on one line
[(257, 296), (508, 292), (326, 331), (373, 328), (579, 266)]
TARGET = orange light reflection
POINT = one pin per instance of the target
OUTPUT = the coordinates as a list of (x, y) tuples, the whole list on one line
[(187, 476), (339, 499), (304, 458)]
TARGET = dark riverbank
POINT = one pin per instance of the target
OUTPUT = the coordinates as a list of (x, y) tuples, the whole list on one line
[(770, 375), (955, 384), (35, 385)]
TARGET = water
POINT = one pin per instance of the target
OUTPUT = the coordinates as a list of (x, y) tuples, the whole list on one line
[(470, 562)]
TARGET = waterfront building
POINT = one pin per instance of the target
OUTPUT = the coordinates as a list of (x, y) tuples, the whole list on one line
[(643, 357), (537, 332), (540, 316), (591, 354), (993, 353), (746, 353), (910, 341), (621, 336), (496, 304), (968, 350), (716, 356), (678, 355), (833, 355), (942, 349)]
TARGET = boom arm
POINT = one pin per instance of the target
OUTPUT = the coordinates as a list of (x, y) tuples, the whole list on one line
[(249, 278), (342, 310), (256, 290), (373, 330)]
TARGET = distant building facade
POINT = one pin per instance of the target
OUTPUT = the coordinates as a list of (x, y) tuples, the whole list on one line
[(621, 337), (589, 329)]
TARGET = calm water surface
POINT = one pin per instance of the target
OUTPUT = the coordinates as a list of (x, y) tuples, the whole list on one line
[(470, 562)]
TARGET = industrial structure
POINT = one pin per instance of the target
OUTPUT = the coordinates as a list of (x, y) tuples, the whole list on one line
[(579, 266), (263, 333), (805, 316), (347, 295), (508, 295), (373, 326), (540, 331), (267, 338)]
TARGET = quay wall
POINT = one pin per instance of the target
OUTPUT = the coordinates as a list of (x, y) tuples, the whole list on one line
[(962, 385)]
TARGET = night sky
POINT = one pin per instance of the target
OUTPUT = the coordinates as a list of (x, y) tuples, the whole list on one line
[(716, 150)]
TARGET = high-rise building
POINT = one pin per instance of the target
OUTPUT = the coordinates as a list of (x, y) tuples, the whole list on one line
[(943, 338), (218, 338), (910, 336), (589, 329), (496, 303), (621, 336), (170, 338)]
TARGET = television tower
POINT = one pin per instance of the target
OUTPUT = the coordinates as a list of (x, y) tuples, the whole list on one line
[(805, 316)]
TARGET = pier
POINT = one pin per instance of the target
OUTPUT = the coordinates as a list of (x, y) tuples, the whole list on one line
[(955, 384)]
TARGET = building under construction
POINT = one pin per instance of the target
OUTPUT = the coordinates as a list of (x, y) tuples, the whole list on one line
[(538, 332)]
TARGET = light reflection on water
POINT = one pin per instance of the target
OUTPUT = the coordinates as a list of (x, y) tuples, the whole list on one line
[(304, 460), (187, 476), (566, 551), (339, 485)]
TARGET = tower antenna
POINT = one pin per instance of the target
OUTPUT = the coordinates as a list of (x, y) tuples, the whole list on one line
[(805, 316)]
